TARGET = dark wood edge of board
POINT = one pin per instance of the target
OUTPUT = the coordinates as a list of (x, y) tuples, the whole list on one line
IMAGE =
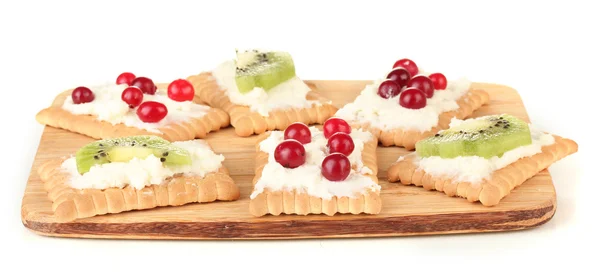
[(361, 226)]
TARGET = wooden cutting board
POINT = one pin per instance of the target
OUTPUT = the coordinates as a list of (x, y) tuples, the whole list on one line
[(407, 210)]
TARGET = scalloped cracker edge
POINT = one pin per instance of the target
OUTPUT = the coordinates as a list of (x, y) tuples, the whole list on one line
[(489, 192), (247, 122), (300, 203), (70, 204)]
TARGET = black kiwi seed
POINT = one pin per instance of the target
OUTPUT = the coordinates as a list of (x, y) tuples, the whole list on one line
[(96, 157), (481, 131), (144, 145), (103, 154), (461, 132), (501, 117), (505, 126), (163, 159), (100, 145), (166, 154), (497, 125)]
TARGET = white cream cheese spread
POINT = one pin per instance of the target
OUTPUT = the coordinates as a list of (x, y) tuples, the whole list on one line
[(307, 178), (289, 94), (475, 169), (139, 173), (108, 106), (387, 114)]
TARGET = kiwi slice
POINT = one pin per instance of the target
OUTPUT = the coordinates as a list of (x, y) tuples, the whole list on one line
[(127, 148), (262, 69), (486, 137)]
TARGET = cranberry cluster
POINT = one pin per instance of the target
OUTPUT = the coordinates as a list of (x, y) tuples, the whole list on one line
[(414, 89), (336, 166)]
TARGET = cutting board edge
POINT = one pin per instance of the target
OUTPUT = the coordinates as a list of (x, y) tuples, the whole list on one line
[(510, 220)]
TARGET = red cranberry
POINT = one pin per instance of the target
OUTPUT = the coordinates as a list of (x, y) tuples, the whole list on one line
[(334, 125), (152, 112), (298, 131), (133, 96), (125, 78), (413, 98), (341, 143), (400, 75), (423, 83), (409, 65), (290, 154), (181, 90), (145, 84), (336, 167), (82, 95), (439, 81), (389, 89)]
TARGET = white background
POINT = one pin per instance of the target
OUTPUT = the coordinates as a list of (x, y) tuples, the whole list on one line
[(547, 51)]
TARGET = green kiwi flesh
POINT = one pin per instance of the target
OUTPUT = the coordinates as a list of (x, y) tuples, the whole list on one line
[(486, 137), (126, 148), (262, 69)]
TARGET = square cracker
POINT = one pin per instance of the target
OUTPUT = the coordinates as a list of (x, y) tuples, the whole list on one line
[(489, 192), (247, 122), (90, 126), (300, 203), (467, 104), (70, 203)]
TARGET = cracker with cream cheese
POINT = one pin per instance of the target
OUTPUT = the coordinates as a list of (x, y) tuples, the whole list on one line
[(247, 122), (406, 137), (298, 201), (69, 203), (489, 191), (89, 125)]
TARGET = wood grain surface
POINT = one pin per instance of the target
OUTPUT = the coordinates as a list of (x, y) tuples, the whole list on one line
[(407, 210)]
